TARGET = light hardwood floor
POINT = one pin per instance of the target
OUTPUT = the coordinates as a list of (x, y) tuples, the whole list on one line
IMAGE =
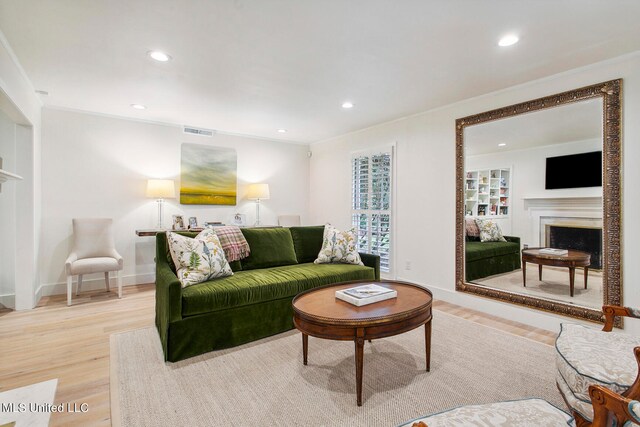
[(72, 344)]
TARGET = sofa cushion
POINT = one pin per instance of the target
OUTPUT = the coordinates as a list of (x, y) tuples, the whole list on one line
[(198, 259), (480, 250), (339, 246), (307, 242), (270, 247), (489, 231), (254, 286), (586, 356), (471, 228)]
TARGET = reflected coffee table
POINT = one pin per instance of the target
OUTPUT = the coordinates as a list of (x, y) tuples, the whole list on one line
[(317, 312), (571, 260)]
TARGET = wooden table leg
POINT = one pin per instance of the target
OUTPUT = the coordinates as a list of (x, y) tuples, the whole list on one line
[(586, 273), (572, 277), (427, 343), (540, 272), (359, 363), (305, 348), (524, 274)]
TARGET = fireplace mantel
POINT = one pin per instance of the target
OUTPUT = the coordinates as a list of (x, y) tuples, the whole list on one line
[(568, 201)]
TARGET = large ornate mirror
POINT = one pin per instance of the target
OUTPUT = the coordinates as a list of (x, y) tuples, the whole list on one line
[(538, 202)]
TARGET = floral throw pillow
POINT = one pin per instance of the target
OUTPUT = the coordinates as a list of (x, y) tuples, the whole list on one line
[(339, 247), (198, 259), (489, 231)]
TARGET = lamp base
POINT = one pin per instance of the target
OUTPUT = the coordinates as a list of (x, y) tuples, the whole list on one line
[(159, 225), (257, 223)]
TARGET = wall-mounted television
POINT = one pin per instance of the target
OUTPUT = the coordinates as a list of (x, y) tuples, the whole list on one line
[(574, 171)]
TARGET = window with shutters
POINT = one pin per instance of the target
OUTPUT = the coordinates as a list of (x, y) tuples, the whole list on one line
[(371, 203)]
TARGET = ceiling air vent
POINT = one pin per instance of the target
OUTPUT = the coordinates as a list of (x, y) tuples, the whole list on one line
[(198, 131)]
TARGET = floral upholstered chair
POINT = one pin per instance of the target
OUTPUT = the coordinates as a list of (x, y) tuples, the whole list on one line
[(587, 356), (609, 409), (521, 413)]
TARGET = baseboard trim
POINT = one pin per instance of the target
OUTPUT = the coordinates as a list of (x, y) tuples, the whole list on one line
[(37, 296), (8, 301), (93, 284)]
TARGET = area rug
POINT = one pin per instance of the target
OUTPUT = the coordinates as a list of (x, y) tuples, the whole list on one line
[(554, 285), (265, 383)]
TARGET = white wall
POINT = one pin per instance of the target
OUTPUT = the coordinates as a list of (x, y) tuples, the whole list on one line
[(425, 197), (97, 166), (7, 213), (528, 181), (20, 103)]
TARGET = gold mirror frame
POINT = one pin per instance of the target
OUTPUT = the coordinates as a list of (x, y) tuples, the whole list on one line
[(610, 92)]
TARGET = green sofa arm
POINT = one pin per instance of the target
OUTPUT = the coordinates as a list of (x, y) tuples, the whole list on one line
[(512, 239), (373, 261), (168, 292)]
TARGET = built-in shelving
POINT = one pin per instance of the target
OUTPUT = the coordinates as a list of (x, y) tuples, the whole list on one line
[(487, 192)]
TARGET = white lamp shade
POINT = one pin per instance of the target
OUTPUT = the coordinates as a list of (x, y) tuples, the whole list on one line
[(161, 189), (258, 192)]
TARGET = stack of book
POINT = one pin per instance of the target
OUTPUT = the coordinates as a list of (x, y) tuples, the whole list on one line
[(552, 251), (366, 294)]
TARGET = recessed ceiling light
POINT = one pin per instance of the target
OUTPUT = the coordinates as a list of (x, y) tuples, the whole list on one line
[(282, 130), (139, 106), (508, 40), (159, 56), (502, 144), (347, 104)]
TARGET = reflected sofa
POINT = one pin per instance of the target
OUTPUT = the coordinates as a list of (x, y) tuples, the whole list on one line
[(483, 259), (253, 303)]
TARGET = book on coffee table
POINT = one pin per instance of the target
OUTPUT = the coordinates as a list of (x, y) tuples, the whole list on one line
[(553, 251), (366, 294)]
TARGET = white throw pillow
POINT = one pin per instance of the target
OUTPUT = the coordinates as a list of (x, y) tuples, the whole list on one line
[(339, 247), (489, 231), (198, 259)]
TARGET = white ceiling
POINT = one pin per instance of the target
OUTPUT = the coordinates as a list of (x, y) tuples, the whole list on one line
[(579, 121), (253, 66)]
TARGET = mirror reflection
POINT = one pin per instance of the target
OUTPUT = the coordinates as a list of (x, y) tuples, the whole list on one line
[(533, 204)]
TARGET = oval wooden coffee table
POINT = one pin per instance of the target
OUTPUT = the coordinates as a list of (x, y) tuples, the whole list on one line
[(317, 312), (571, 260)]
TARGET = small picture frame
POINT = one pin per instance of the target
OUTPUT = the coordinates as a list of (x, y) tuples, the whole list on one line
[(193, 222), (239, 219), (178, 222)]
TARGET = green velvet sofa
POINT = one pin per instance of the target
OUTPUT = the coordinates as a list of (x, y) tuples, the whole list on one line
[(253, 303), (483, 259)]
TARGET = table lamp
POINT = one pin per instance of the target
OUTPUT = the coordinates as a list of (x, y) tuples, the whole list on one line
[(160, 189), (258, 192)]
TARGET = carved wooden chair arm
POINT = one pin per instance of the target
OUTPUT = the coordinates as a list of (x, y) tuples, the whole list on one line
[(611, 311), (607, 402)]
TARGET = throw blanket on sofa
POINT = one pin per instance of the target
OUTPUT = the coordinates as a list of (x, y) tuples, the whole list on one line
[(233, 243)]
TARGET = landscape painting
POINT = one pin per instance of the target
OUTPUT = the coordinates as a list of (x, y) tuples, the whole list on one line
[(208, 175)]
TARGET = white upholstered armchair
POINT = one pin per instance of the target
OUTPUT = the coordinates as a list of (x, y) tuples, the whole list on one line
[(587, 356), (608, 409), (93, 252)]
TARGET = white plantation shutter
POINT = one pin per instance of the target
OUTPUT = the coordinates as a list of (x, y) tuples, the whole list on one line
[(371, 203)]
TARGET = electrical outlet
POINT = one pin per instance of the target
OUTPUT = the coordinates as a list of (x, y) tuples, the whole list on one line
[(407, 265)]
